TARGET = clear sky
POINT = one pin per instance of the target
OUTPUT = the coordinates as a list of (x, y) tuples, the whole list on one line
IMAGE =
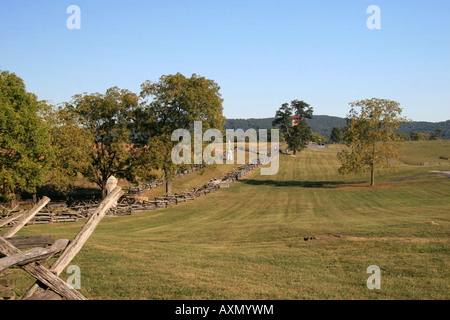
[(262, 53)]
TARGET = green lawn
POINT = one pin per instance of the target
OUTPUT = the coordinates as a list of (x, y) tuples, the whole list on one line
[(416, 152), (247, 241)]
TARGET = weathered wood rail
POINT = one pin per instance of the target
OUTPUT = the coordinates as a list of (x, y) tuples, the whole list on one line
[(47, 279)]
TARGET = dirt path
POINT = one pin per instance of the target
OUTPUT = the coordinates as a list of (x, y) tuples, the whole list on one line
[(442, 173), (383, 239), (316, 147)]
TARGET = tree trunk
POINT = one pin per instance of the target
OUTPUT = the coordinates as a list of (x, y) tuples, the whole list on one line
[(372, 167), (168, 177), (169, 187), (13, 202), (103, 189), (372, 176)]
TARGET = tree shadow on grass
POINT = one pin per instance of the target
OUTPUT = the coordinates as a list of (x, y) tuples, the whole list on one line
[(302, 184), (74, 193)]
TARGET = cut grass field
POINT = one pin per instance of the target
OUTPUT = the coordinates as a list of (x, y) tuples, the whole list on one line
[(416, 152), (247, 241)]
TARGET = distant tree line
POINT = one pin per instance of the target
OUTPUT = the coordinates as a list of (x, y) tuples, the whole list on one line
[(416, 136), (323, 125), (244, 124)]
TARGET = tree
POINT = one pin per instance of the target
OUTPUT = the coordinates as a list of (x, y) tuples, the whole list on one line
[(415, 136), (72, 146), (336, 134), (437, 134), (371, 136), (175, 102), (403, 136), (25, 150), (106, 117), (315, 137), (295, 130)]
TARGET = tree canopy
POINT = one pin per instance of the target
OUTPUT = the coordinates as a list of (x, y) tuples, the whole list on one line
[(371, 136), (298, 133), (106, 117), (25, 147), (117, 133), (175, 102), (336, 134), (72, 145)]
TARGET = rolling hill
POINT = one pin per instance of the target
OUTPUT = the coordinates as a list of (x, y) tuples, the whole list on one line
[(306, 232), (323, 125)]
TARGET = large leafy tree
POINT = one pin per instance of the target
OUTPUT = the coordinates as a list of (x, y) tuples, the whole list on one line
[(174, 102), (336, 134), (25, 147), (437, 134), (371, 136), (106, 118), (296, 133), (72, 145)]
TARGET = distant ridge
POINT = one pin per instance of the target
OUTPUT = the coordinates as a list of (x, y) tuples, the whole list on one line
[(323, 125)]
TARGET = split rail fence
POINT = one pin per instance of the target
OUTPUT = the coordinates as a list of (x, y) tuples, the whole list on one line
[(48, 285), (128, 204)]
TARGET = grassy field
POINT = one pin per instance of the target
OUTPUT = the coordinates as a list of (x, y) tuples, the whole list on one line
[(247, 241), (416, 152)]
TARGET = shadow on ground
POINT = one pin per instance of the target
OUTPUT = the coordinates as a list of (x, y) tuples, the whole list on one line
[(302, 184), (78, 193)]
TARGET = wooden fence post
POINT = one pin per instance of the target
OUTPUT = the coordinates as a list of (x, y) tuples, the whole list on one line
[(43, 275), (27, 217), (77, 243)]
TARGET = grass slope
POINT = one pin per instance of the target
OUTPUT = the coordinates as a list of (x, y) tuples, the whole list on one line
[(416, 152), (247, 241)]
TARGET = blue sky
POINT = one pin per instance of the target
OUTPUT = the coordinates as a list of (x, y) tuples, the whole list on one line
[(262, 53)]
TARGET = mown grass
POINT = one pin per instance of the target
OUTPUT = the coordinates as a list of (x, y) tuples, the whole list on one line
[(416, 152), (247, 241), (202, 176)]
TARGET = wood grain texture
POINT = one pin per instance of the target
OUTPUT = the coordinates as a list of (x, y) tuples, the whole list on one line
[(77, 243), (27, 217), (32, 255), (43, 275), (30, 241), (13, 217)]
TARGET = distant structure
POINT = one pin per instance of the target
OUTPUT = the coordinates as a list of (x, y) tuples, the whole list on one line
[(230, 153), (295, 119), (111, 184)]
